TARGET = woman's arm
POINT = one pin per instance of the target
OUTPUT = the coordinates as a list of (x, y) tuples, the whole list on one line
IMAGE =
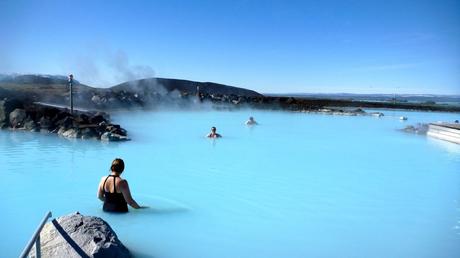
[(100, 191), (124, 187)]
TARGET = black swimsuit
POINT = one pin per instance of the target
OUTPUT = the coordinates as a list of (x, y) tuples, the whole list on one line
[(114, 202)]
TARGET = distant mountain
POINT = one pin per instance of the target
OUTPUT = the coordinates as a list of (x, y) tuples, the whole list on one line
[(164, 85), (149, 85), (144, 92)]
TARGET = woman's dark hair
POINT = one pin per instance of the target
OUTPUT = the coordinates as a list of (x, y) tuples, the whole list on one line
[(117, 165)]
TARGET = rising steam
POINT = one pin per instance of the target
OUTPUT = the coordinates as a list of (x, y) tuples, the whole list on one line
[(102, 67)]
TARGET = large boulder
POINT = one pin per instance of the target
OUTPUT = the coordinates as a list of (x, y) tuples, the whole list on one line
[(76, 235), (30, 125), (66, 122), (96, 119), (70, 133), (45, 123), (116, 129), (17, 117), (88, 133), (6, 106)]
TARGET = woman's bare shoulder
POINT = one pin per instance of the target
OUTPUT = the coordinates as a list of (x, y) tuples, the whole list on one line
[(123, 181)]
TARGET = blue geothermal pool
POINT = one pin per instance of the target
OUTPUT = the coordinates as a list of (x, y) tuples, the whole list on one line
[(297, 185)]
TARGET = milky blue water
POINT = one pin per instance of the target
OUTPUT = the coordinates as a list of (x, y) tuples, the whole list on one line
[(297, 185)]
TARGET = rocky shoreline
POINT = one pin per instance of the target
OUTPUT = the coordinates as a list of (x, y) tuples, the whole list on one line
[(18, 115)]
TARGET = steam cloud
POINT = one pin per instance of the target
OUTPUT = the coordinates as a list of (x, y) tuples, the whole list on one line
[(119, 63), (105, 68)]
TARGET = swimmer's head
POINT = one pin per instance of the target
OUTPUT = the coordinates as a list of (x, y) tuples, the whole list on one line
[(117, 166), (213, 129), (251, 118)]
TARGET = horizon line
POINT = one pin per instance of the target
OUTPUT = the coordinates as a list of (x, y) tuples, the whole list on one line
[(354, 93)]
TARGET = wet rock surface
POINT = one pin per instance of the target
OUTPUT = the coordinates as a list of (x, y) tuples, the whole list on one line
[(76, 235)]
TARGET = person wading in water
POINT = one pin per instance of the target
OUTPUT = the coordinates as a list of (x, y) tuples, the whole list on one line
[(213, 133), (114, 190)]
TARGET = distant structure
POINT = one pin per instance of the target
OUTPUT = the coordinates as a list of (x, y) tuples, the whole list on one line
[(445, 131), (71, 92), (198, 94)]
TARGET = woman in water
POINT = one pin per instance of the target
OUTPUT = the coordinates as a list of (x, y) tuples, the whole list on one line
[(114, 191)]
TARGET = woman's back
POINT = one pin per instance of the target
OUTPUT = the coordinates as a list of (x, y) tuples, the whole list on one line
[(109, 183), (114, 200), (114, 191)]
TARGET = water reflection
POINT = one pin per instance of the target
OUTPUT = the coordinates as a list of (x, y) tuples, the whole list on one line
[(450, 147)]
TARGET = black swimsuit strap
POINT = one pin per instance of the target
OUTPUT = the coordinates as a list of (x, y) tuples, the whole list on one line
[(114, 184), (103, 186), (114, 187)]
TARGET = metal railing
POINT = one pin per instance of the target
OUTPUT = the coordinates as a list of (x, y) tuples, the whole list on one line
[(36, 239)]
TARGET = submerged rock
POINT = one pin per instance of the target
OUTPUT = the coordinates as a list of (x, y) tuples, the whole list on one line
[(419, 128), (76, 235), (113, 137), (403, 118), (377, 114)]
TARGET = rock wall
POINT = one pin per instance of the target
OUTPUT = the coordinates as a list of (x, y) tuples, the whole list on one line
[(16, 115)]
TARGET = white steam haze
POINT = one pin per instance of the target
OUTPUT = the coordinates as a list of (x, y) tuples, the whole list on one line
[(104, 67)]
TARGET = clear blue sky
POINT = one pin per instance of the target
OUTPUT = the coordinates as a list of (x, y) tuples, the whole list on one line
[(269, 46)]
